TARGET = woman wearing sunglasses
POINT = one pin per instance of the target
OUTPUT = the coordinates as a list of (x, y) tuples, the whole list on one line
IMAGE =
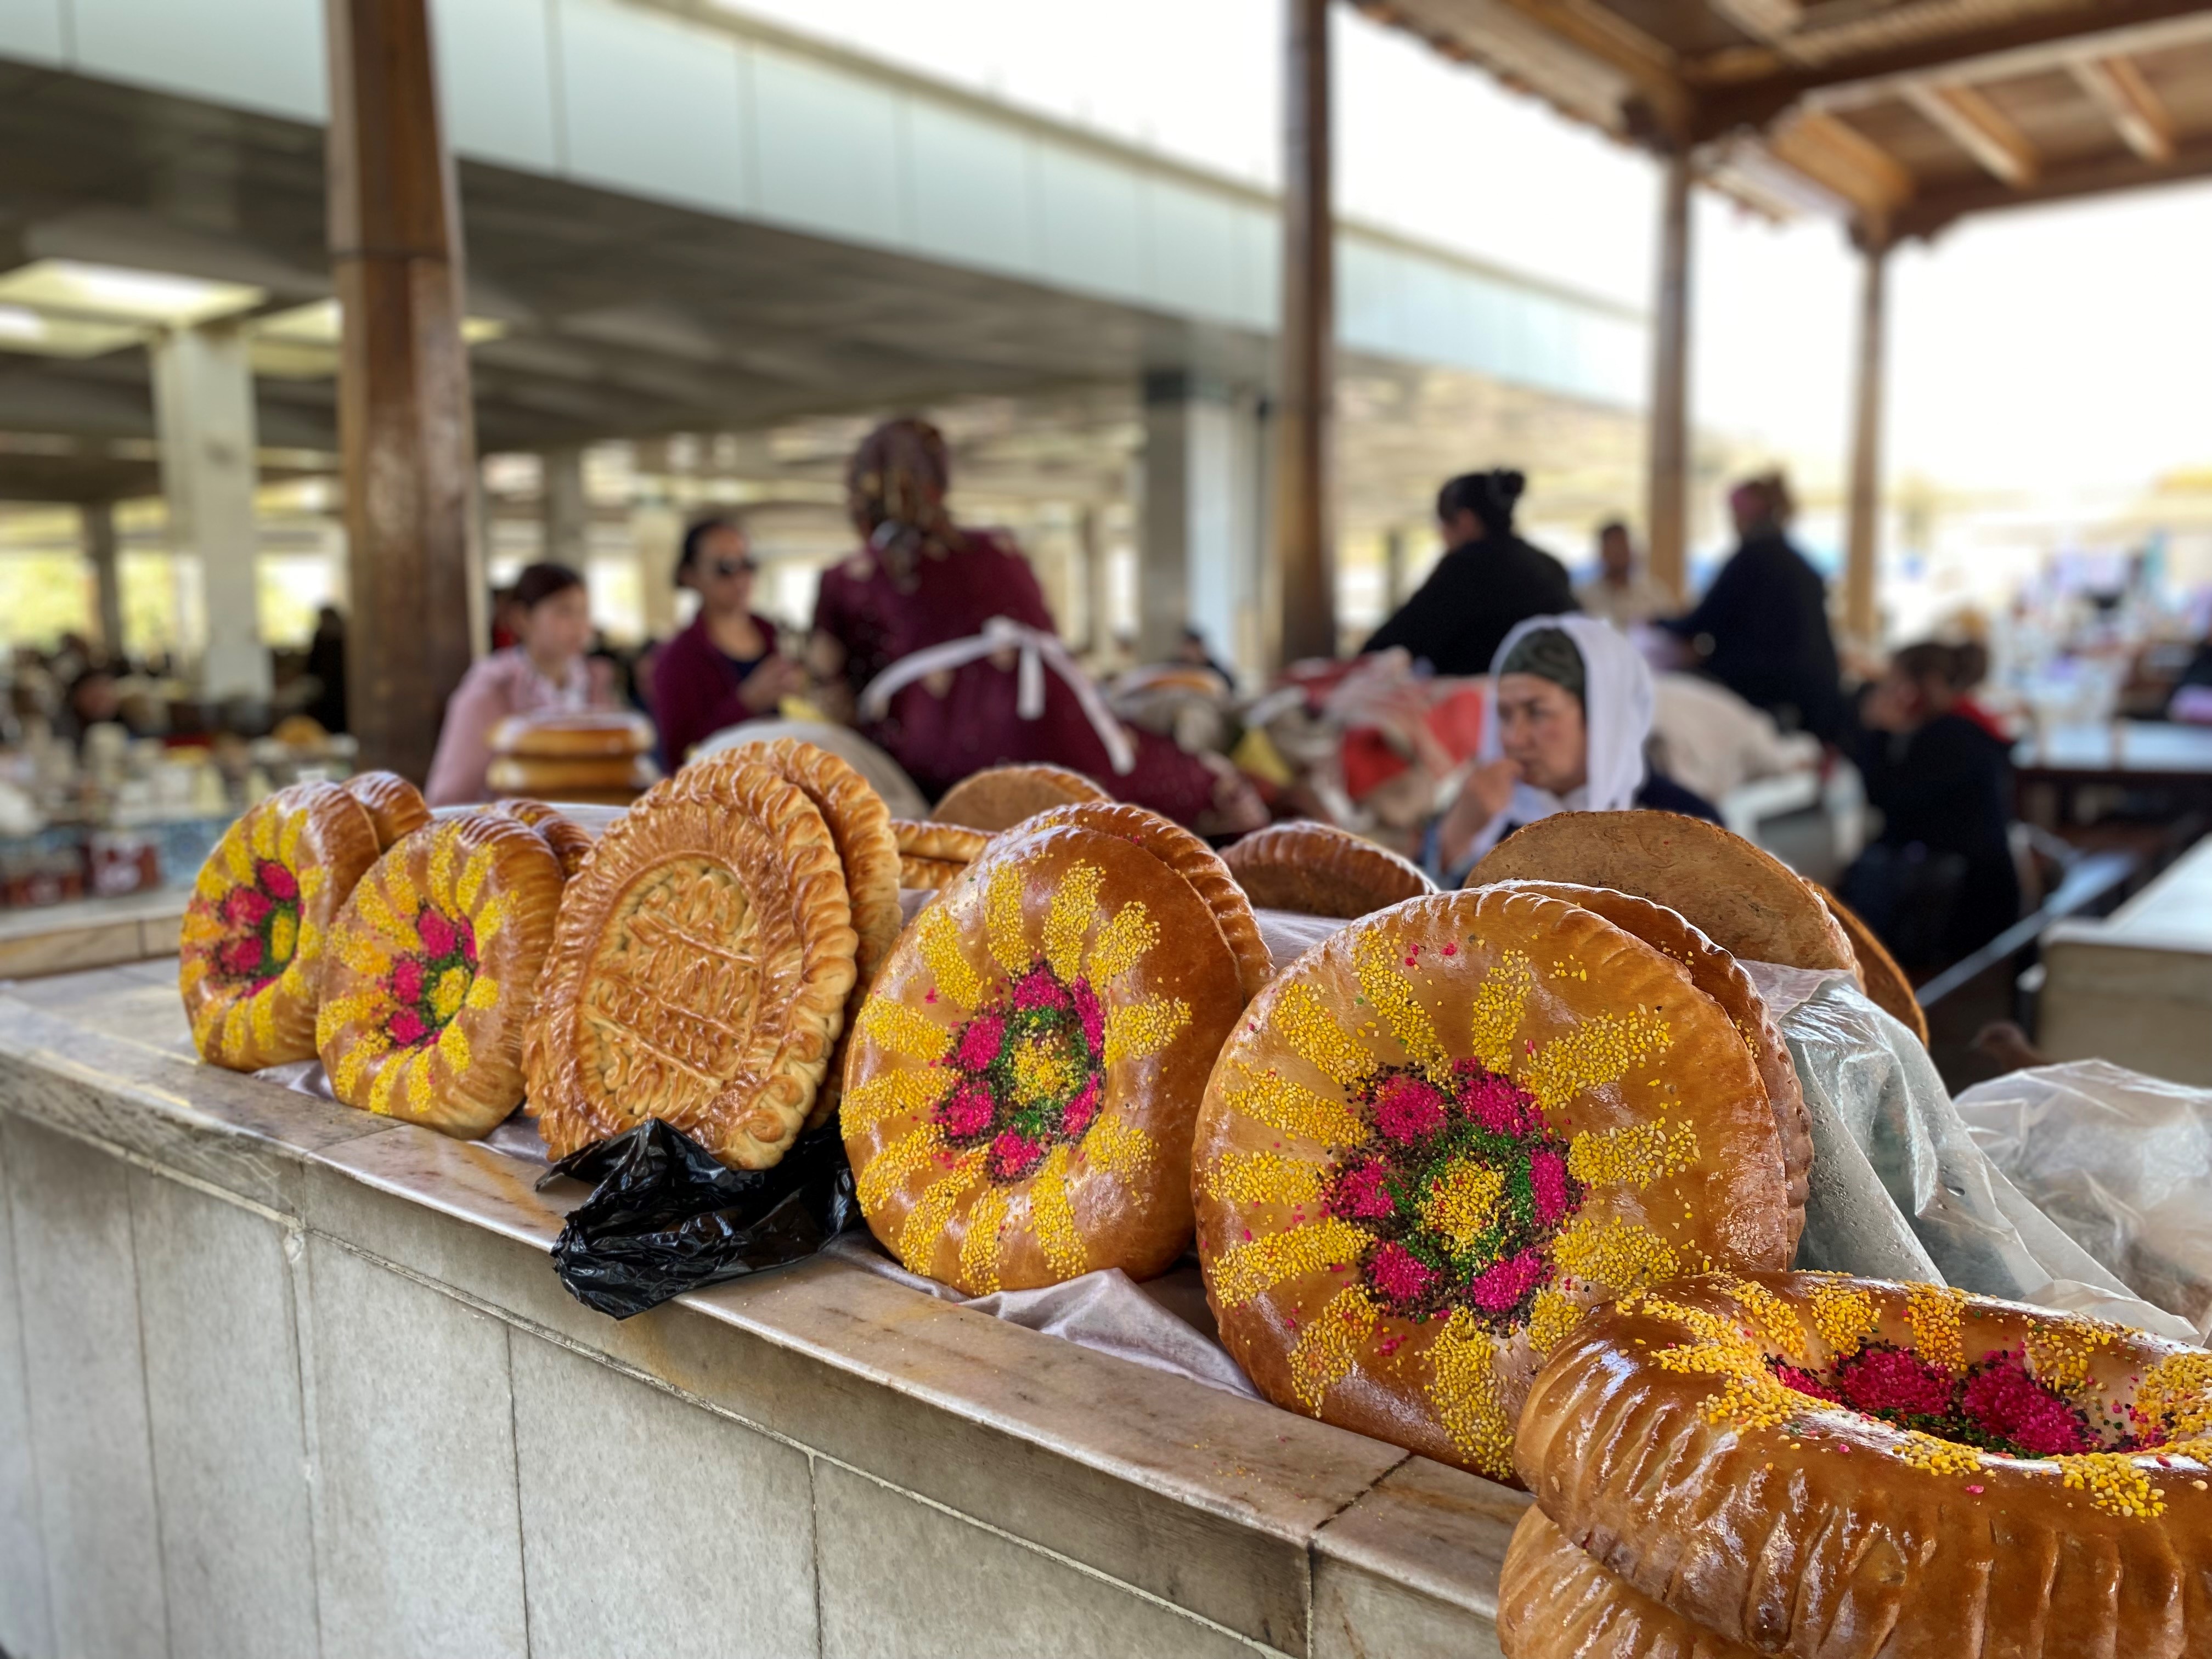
[(724, 668)]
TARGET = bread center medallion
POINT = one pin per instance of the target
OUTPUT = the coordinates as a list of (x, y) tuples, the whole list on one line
[(428, 986), (261, 925), (1459, 1187), (669, 1011), (1028, 1067)]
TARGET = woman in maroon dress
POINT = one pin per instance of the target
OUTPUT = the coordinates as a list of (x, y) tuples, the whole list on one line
[(923, 581)]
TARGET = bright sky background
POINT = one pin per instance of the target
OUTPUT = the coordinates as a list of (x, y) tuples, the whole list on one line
[(2050, 351)]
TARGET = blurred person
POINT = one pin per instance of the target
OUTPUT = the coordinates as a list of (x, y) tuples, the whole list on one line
[(1762, 628), (1568, 717), (1192, 651), (908, 614), (1623, 592), (544, 671), (1940, 882), (326, 661), (505, 614), (94, 697), (724, 668), (1488, 580), (2192, 700)]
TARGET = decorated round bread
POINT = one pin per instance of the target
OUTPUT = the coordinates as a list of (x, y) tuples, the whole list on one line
[(433, 969), (1445, 1131), (1554, 1602), (570, 841), (1019, 1094), (1715, 972), (1744, 899), (1814, 1464), (589, 779), (1002, 796), (1189, 858), (927, 875), (699, 971), (1319, 870), (250, 964), (1886, 986), (947, 843), (395, 807), (575, 734)]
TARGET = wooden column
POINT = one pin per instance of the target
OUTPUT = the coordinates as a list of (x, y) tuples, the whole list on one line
[(1667, 529), (1862, 542), (96, 524), (1304, 527), (404, 422)]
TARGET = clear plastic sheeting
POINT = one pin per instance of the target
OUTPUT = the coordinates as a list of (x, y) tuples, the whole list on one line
[(1900, 1188), (2122, 1162)]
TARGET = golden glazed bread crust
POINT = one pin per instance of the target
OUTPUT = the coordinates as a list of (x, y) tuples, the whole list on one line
[(699, 971), (1745, 900), (1319, 870), (1886, 985), (946, 843), (570, 841), (433, 970), (1189, 858), (1445, 1131), (250, 966), (1000, 797), (575, 735), (1020, 1093), (1715, 972), (1663, 1440), (927, 875), (395, 807), (578, 779), (1554, 1602)]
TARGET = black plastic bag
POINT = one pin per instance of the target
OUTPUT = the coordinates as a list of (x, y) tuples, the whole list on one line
[(665, 1218)]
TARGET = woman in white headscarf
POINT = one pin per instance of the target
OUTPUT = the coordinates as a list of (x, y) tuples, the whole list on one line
[(1570, 703)]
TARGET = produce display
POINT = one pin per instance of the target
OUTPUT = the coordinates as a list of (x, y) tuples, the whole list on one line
[(1319, 870), (1019, 1094), (1814, 1464), (250, 962), (1439, 1136), (433, 969), (699, 971), (1000, 797), (395, 807)]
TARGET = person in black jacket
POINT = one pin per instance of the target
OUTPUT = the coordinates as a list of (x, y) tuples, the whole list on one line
[(1939, 883), (1762, 628), (1488, 582)]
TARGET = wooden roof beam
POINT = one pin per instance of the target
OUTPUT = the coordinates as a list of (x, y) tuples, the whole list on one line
[(1644, 63), (2130, 103), (1979, 128), (1832, 153), (1928, 213)]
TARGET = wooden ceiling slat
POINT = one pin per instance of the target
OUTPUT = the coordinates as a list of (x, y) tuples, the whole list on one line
[(1830, 151), (1977, 126), (2138, 113)]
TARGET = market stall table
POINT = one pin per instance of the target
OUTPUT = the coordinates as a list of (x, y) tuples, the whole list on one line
[(90, 932), (2136, 987), (292, 1377), (2050, 768)]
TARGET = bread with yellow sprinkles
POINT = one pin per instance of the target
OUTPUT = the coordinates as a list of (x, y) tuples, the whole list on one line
[(395, 807), (433, 970), (1020, 1090), (1555, 1602), (1825, 1465), (1441, 1134), (251, 961)]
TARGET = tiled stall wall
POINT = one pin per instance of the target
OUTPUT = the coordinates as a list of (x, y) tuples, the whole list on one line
[(323, 1394)]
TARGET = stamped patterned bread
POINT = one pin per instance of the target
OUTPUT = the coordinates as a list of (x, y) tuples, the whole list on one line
[(433, 969), (250, 966), (861, 825), (1554, 1602), (1886, 985), (699, 971), (1446, 1131), (1002, 796), (1319, 870), (1715, 973), (1189, 858), (1818, 1465), (1742, 897), (570, 841), (927, 875), (946, 843), (395, 807), (1020, 1095)]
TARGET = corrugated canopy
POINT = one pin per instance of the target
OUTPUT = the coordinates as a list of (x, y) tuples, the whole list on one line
[(1902, 115)]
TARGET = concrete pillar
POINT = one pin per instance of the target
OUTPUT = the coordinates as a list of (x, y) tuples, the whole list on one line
[(1863, 535), (1667, 515), (1098, 582), (96, 521), (566, 510), (1393, 567), (1200, 552), (656, 532), (203, 413)]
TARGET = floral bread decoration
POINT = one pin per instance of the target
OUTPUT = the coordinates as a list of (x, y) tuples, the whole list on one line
[(250, 962)]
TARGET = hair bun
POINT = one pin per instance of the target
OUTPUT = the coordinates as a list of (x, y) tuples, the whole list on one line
[(1506, 486)]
